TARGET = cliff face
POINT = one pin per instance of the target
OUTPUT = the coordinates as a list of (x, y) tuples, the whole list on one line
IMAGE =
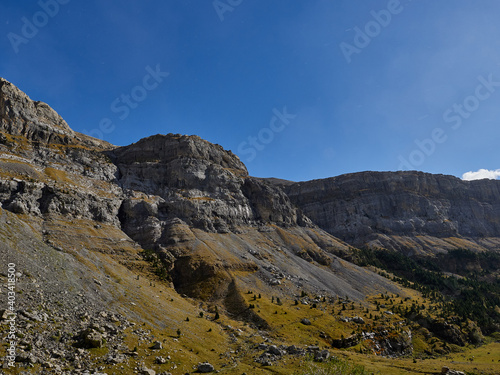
[(34, 120), (37, 121), (47, 168), (409, 211), (198, 182)]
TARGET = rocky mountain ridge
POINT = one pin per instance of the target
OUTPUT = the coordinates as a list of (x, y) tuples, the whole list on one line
[(413, 212), (173, 195)]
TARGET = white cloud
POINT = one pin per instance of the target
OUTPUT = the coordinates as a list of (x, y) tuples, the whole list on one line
[(480, 174)]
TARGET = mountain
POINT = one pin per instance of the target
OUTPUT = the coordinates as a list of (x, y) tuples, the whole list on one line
[(412, 212), (173, 195), (165, 253)]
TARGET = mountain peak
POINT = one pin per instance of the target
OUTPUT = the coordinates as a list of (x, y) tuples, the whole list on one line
[(35, 120), (165, 148)]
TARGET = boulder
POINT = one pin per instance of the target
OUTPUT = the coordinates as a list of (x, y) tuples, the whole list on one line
[(157, 345), (346, 342), (358, 320), (273, 349), (205, 367), (446, 371), (321, 355), (160, 360), (90, 338)]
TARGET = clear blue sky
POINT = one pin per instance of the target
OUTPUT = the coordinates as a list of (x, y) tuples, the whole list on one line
[(298, 89)]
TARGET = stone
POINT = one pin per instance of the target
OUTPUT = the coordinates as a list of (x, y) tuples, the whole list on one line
[(205, 367), (321, 355), (157, 345), (90, 338), (4, 314), (161, 360), (273, 349), (358, 320), (26, 358), (292, 349), (346, 342), (446, 371), (116, 358), (56, 353), (306, 322)]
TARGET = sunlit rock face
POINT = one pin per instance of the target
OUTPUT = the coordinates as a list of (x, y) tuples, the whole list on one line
[(172, 178), (411, 211)]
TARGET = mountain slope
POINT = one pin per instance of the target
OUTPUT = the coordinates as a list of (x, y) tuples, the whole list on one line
[(194, 204)]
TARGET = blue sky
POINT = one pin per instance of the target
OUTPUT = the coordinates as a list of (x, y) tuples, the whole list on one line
[(298, 89)]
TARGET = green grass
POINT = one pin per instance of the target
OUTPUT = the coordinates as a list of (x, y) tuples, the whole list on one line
[(334, 366)]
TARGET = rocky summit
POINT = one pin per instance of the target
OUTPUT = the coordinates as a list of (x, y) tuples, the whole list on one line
[(165, 256)]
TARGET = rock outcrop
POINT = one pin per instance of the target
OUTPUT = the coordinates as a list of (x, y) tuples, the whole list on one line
[(197, 182), (408, 211), (36, 121)]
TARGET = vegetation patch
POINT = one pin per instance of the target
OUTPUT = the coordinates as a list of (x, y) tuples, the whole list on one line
[(470, 293)]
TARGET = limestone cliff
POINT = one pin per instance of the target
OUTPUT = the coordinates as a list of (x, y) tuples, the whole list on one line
[(408, 211)]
